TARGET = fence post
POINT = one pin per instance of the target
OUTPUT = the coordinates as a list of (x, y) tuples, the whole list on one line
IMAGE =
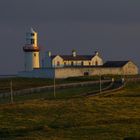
[(11, 91)]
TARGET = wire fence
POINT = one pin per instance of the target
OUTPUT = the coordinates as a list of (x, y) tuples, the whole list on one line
[(9, 94)]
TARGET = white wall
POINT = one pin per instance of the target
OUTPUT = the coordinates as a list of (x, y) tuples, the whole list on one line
[(130, 68), (73, 72), (97, 59), (56, 60), (61, 72), (31, 60)]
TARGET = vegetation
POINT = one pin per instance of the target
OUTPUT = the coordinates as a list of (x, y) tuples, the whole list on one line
[(112, 117), (24, 83), (59, 93)]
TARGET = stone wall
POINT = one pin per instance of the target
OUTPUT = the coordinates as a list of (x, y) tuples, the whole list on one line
[(129, 69), (73, 72)]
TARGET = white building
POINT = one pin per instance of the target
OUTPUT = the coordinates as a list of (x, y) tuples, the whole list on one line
[(72, 60), (31, 51), (63, 66)]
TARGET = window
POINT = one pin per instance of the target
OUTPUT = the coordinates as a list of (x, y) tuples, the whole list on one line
[(32, 41), (89, 63), (58, 63), (82, 63), (86, 73), (72, 63), (32, 34), (27, 40), (34, 54), (64, 63)]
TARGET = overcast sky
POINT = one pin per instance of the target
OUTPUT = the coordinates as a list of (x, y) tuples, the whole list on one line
[(111, 27)]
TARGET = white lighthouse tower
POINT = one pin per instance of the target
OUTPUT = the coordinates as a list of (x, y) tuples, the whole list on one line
[(31, 51)]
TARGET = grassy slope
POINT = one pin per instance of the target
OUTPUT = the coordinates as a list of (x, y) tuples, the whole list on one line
[(103, 118)]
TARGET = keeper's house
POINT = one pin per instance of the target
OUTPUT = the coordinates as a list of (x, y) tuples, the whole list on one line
[(58, 61)]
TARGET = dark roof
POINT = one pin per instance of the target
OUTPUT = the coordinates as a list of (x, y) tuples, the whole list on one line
[(115, 63), (77, 57)]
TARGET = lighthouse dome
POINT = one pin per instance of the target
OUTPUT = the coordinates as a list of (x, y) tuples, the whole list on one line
[(32, 30)]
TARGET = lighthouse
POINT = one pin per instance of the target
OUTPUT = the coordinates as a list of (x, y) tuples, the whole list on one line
[(31, 51)]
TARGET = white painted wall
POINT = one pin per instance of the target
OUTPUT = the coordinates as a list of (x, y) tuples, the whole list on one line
[(75, 71), (56, 60), (97, 59), (130, 68), (31, 60), (75, 63)]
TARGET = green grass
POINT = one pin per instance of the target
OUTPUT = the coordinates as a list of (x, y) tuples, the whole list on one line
[(132, 89), (24, 83), (65, 93), (112, 117)]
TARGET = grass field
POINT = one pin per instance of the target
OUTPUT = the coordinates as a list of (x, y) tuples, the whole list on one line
[(111, 117), (71, 92), (24, 83)]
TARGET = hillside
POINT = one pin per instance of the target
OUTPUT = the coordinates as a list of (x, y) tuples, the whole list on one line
[(111, 117)]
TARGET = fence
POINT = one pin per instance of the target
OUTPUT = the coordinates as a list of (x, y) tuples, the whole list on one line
[(113, 87), (47, 88)]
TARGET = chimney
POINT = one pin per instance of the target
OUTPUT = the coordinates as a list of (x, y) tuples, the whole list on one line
[(49, 53), (74, 53), (96, 53)]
